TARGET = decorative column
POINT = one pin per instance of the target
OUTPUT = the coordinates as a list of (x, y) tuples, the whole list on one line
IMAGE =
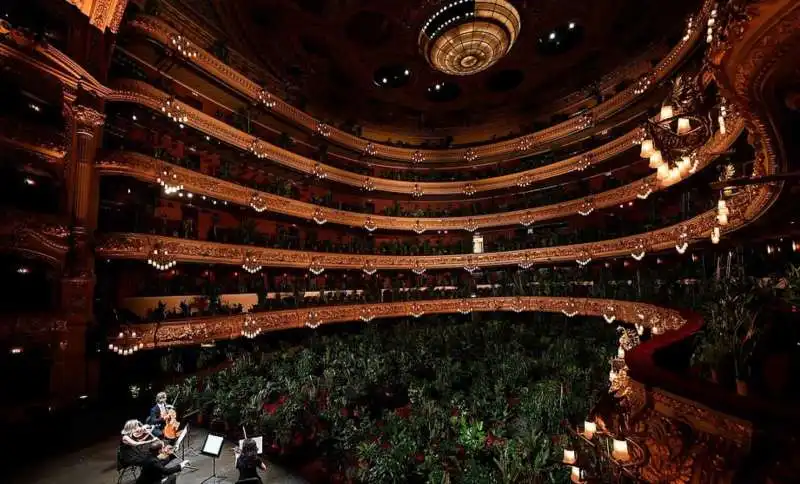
[(72, 376)]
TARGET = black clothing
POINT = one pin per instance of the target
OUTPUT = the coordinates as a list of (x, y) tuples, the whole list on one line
[(131, 455), (153, 470), (248, 467)]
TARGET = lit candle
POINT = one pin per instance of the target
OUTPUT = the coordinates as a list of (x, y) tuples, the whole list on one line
[(620, 450), (569, 457), (684, 126), (666, 112), (647, 148), (663, 172), (589, 428), (656, 159)]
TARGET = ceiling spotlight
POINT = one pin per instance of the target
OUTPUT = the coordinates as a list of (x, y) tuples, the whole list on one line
[(571, 25), (407, 72), (552, 35), (385, 80)]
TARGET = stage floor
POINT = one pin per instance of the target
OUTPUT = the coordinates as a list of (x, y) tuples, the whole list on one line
[(97, 465)]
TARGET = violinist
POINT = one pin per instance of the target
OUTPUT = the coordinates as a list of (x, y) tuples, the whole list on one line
[(133, 444), (154, 470)]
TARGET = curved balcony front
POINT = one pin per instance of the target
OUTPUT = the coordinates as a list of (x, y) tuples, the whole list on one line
[(219, 70), (149, 169)]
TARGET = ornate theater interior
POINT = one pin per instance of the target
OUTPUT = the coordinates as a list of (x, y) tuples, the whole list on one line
[(422, 241)]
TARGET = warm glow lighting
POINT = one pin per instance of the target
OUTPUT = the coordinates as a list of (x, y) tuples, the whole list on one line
[(589, 429), (647, 148), (16, 350), (569, 457), (638, 255), (715, 235), (662, 172), (681, 248), (656, 159), (620, 450), (620, 352), (684, 126), (666, 112)]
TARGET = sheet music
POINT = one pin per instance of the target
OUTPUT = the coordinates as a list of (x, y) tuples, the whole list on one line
[(259, 442), (213, 445), (181, 436)]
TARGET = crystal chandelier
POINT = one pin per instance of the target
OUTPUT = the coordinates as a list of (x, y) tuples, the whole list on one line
[(323, 129), (609, 314), (319, 172), (639, 251), (683, 241), (418, 268), (250, 329), (313, 320), (257, 202), (471, 225), (470, 155), (127, 342), (366, 314), (570, 309), (643, 84), (316, 267), (174, 111), (319, 216), (518, 305), (370, 149), (586, 207), (250, 263), (469, 189), (417, 157), (160, 259), (417, 192), (369, 268), (525, 143), (585, 120), (169, 182), (183, 46), (418, 227), (526, 219), (644, 191), (258, 148), (370, 225), (584, 162), (266, 99), (416, 310)]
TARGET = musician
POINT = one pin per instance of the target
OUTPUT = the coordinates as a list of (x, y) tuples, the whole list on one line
[(133, 444), (154, 470), (157, 413), (248, 462)]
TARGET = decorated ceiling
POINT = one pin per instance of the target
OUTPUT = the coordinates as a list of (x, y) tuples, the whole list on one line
[(353, 62)]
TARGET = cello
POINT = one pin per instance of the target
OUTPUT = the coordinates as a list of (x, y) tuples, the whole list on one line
[(171, 424)]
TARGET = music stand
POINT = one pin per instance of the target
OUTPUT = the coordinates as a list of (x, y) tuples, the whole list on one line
[(188, 447), (181, 437), (212, 447)]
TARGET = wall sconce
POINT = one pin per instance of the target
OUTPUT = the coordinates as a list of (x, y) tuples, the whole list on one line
[(418, 227), (370, 225), (316, 267), (319, 216), (418, 268)]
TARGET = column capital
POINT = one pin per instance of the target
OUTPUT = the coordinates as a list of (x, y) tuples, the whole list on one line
[(87, 120)]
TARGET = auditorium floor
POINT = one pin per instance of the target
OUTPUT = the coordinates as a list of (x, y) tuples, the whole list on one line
[(97, 465)]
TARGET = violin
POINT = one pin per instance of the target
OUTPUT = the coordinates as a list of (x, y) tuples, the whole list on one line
[(167, 451)]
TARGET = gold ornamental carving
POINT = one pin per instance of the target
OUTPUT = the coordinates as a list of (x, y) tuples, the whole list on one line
[(145, 168), (160, 31), (199, 330)]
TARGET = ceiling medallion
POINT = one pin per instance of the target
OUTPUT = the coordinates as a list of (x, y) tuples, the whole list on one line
[(465, 37)]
